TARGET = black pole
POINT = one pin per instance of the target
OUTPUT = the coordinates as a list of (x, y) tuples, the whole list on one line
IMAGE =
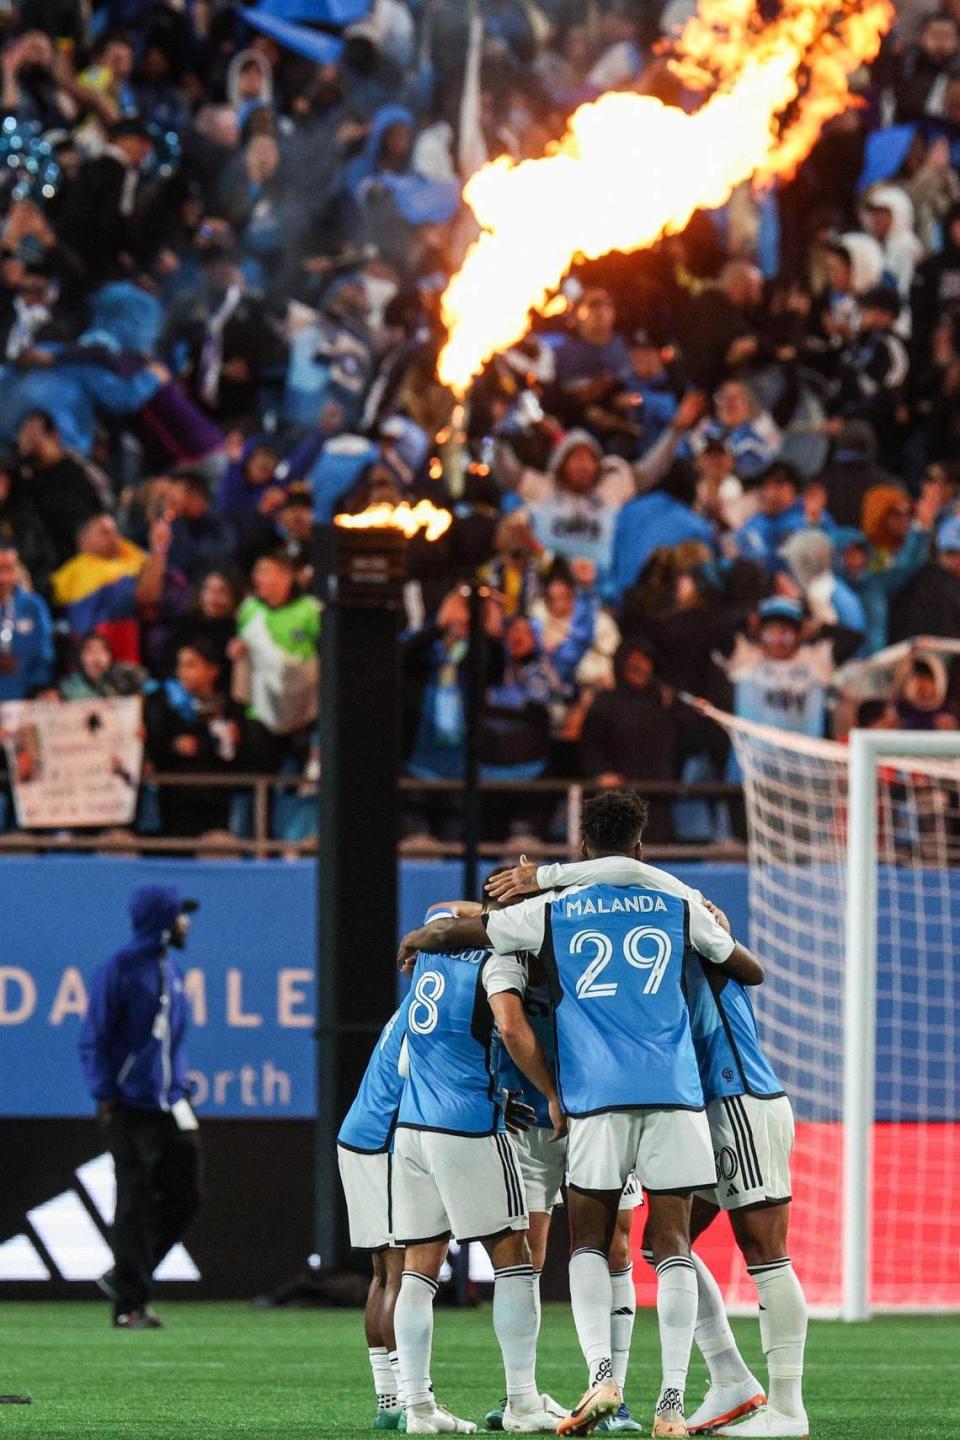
[(476, 684), (360, 577)]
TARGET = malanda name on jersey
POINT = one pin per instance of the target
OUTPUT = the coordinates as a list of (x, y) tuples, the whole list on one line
[(614, 944), (630, 904)]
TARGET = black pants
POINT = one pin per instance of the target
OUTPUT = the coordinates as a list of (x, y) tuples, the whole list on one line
[(158, 1192)]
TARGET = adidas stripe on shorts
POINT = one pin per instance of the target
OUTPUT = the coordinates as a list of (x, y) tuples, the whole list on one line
[(468, 1186), (752, 1141)]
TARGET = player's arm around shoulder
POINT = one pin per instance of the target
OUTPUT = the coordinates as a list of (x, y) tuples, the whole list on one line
[(710, 933), (443, 934), (526, 1052)]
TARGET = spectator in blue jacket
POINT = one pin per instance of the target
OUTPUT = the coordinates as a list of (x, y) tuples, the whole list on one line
[(650, 521), (131, 1048), (874, 585), (26, 634), (781, 513)]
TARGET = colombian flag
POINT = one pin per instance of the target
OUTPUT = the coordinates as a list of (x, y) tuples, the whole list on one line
[(100, 595)]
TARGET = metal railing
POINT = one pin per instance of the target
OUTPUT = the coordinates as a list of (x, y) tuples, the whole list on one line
[(260, 844)]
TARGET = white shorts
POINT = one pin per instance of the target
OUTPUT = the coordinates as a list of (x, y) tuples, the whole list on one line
[(468, 1186), (543, 1167), (670, 1150), (752, 1141), (366, 1186)]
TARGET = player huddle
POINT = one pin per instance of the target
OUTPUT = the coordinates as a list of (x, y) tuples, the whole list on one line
[(596, 1035)]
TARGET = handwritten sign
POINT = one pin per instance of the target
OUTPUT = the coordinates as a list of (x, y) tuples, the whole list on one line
[(73, 763)]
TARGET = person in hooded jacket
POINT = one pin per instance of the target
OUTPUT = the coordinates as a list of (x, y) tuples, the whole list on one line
[(132, 1052)]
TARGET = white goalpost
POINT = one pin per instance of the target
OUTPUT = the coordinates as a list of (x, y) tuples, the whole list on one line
[(854, 905)]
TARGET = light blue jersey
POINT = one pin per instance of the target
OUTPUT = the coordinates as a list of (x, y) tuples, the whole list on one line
[(451, 1085), (615, 950), (538, 1008), (369, 1123), (725, 1036)]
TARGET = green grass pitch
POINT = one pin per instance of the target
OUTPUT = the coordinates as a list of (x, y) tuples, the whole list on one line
[(221, 1371)]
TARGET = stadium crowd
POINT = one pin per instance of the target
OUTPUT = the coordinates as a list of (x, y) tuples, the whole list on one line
[(729, 468)]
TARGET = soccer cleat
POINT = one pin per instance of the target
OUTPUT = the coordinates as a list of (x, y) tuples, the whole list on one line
[(771, 1423), (541, 1418), (387, 1419), (619, 1424), (493, 1420), (598, 1402), (138, 1320), (437, 1420), (669, 1420), (723, 1404)]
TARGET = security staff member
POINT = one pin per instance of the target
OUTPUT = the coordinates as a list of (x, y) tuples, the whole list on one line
[(131, 1047)]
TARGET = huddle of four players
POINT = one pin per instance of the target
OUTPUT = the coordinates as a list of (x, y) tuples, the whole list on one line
[(614, 1001)]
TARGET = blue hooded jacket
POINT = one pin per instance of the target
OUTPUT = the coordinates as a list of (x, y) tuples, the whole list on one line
[(128, 1054)]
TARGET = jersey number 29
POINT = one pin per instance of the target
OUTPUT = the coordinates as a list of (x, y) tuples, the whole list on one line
[(424, 1014), (644, 947)]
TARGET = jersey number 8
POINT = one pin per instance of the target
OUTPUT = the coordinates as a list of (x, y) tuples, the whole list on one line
[(645, 948), (424, 1014)]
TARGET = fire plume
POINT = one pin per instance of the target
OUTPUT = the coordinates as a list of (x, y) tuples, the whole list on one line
[(630, 169), (411, 519)]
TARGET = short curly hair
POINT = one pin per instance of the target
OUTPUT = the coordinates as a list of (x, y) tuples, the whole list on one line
[(613, 823)]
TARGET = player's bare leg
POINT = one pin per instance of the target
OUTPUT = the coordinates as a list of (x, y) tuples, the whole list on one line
[(413, 1324), (381, 1342), (622, 1315), (761, 1233), (668, 1234), (516, 1320), (734, 1391), (593, 1219)]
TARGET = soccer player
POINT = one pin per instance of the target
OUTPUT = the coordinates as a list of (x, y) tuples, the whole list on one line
[(751, 1123), (627, 1078), (456, 1172), (542, 1165), (364, 1148)]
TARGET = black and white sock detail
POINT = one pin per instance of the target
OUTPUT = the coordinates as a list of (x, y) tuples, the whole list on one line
[(674, 1262), (771, 1267), (670, 1400), (432, 1285), (513, 1270)]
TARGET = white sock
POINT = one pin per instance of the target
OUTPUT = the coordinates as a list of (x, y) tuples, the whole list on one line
[(591, 1297), (516, 1320), (713, 1334), (394, 1359), (384, 1381), (621, 1321), (677, 1314), (783, 1332), (413, 1326)]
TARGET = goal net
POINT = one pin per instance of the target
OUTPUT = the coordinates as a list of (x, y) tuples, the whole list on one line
[(855, 909)]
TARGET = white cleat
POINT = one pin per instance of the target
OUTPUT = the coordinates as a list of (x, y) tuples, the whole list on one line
[(437, 1420), (723, 1404), (770, 1423), (542, 1417)]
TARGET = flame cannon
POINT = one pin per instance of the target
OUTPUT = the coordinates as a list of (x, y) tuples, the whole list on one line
[(361, 568)]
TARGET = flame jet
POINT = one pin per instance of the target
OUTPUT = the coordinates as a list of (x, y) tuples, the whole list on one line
[(630, 169)]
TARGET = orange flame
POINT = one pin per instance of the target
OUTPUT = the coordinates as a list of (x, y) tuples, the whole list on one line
[(411, 519), (631, 169)]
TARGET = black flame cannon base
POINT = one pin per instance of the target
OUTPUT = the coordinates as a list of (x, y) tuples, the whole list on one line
[(360, 577)]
